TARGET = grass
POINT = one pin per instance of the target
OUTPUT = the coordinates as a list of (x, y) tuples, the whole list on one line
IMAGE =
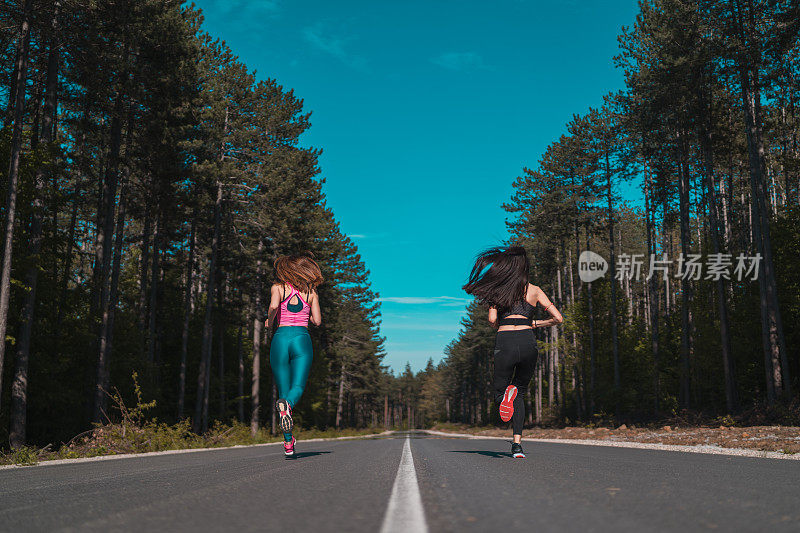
[(24, 456), (461, 428), (133, 432), (115, 439)]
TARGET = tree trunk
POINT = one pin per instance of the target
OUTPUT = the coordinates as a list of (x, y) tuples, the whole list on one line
[(19, 387), (666, 253), (749, 66), (12, 88), (240, 381), (576, 387), (258, 325), (107, 326), (105, 231), (62, 305), (143, 278), (155, 268), (13, 176), (274, 422), (559, 366), (204, 373), (557, 373), (728, 208), (221, 345), (571, 280), (652, 295), (539, 391), (551, 390), (592, 363), (187, 314), (706, 142), (751, 97), (339, 402), (686, 285), (613, 281)]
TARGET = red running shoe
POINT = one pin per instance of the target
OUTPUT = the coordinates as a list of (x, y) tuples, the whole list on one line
[(288, 448), (507, 405)]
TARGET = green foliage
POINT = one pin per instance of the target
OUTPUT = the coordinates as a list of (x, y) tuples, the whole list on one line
[(160, 118), (677, 132), (136, 433), (22, 456)]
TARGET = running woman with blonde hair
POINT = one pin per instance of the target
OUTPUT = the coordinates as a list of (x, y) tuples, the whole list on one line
[(293, 302)]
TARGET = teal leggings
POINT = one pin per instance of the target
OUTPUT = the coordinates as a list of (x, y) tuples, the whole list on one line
[(290, 356)]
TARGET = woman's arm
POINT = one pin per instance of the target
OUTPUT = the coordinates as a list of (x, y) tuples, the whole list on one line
[(544, 301), (493, 317), (274, 305), (316, 313)]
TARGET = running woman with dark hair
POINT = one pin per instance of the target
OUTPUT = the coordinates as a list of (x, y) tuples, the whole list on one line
[(499, 280), (293, 302)]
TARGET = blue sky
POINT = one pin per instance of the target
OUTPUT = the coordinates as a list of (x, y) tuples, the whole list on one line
[(426, 112)]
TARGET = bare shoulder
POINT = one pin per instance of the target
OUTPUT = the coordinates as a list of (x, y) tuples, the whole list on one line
[(533, 295)]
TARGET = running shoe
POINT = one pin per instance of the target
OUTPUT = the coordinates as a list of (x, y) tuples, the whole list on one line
[(507, 405), (285, 411), (516, 451), (288, 448)]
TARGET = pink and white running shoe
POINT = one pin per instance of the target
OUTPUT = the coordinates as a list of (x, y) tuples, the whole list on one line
[(507, 405), (288, 448), (285, 411)]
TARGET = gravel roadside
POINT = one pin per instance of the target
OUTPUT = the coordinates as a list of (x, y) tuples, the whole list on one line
[(774, 441)]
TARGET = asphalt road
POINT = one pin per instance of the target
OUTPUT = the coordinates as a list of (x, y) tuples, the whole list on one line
[(464, 485)]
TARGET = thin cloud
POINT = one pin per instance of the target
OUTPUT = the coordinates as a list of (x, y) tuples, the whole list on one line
[(249, 15), (334, 46), (425, 326), (416, 300), (245, 8), (367, 235), (453, 301), (408, 300), (459, 61)]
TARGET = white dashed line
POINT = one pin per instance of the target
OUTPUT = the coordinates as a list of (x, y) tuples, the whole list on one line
[(405, 512)]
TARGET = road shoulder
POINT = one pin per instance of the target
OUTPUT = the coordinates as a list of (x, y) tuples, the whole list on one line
[(179, 451), (706, 449)]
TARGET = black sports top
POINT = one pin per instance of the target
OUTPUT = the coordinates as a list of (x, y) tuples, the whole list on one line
[(520, 308)]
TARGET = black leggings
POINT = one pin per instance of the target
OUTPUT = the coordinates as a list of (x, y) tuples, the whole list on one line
[(515, 355)]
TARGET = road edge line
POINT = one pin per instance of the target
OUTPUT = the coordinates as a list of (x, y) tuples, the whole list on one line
[(110, 457), (705, 449)]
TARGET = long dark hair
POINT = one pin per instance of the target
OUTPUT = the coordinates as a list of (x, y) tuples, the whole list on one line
[(506, 280)]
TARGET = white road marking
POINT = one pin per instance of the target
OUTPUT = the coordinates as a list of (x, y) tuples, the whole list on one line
[(405, 512)]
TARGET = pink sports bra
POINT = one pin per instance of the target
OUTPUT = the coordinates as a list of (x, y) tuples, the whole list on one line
[(294, 311)]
